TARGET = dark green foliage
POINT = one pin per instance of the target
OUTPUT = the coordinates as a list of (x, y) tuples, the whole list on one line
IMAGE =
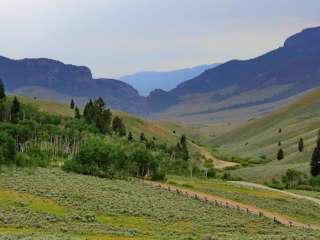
[(2, 90), (118, 126), (130, 137), (279, 143), (72, 105), (183, 148), (142, 137), (301, 145), (96, 114), (293, 178), (7, 149), (315, 159), (77, 113), (110, 159), (15, 110), (3, 110), (280, 154)]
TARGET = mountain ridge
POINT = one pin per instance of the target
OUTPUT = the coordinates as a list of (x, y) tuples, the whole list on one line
[(70, 80), (296, 63)]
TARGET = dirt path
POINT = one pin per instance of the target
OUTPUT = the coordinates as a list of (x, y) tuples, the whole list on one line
[(219, 164), (255, 185), (227, 203)]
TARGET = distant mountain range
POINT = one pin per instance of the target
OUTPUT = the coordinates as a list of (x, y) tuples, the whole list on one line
[(145, 82), (265, 81), (54, 80), (276, 75)]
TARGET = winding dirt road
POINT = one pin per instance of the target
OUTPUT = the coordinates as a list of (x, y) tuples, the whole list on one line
[(227, 203)]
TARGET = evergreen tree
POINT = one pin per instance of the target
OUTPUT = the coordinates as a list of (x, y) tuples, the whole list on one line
[(315, 160), (301, 145), (118, 126), (182, 146), (2, 90), (15, 110), (2, 111), (279, 143), (142, 137), (72, 105), (88, 111), (280, 154), (77, 113), (130, 137)]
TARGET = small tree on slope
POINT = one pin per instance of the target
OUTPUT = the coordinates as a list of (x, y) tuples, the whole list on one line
[(280, 154), (2, 90), (315, 160), (301, 145)]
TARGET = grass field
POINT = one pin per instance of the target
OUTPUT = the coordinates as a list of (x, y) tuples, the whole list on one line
[(259, 138), (51, 204), (276, 202)]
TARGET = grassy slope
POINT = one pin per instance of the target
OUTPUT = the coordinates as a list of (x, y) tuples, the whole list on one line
[(51, 202), (301, 118)]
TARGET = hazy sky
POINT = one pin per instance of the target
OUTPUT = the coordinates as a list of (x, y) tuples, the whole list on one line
[(116, 37)]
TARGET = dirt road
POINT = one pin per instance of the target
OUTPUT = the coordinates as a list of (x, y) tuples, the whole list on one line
[(255, 185), (227, 203), (219, 164)]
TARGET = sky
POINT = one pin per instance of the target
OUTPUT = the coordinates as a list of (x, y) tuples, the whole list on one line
[(118, 37)]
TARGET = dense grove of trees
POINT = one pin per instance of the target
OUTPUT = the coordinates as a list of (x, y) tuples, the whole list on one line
[(93, 143)]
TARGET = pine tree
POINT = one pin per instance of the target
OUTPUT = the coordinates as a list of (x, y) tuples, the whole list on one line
[(15, 110), (280, 154), (130, 137), (315, 160), (77, 113), (142, 137), (88, 111), (301, 145), (2, 90), (72, 105), (182, 145)]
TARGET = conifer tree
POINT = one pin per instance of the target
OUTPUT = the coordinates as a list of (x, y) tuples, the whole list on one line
[(15, 110), (315, 160), (301, 145), (182, 146), (77, 113), (142, 137), (72, 105), (88, 111), (280, 154), (2, 90), (130, 137)]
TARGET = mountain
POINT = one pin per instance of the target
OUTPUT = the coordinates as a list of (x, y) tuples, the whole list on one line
[(274, 76), (61, 79), (145, 82)]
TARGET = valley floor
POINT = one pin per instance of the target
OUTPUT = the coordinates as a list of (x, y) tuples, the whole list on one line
[(52, 204)]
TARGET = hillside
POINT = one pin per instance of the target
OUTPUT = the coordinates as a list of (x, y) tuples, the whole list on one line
[(52, 204), (34, 77), (299, 119), (145, 82), (135, 124), (243, 84)]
